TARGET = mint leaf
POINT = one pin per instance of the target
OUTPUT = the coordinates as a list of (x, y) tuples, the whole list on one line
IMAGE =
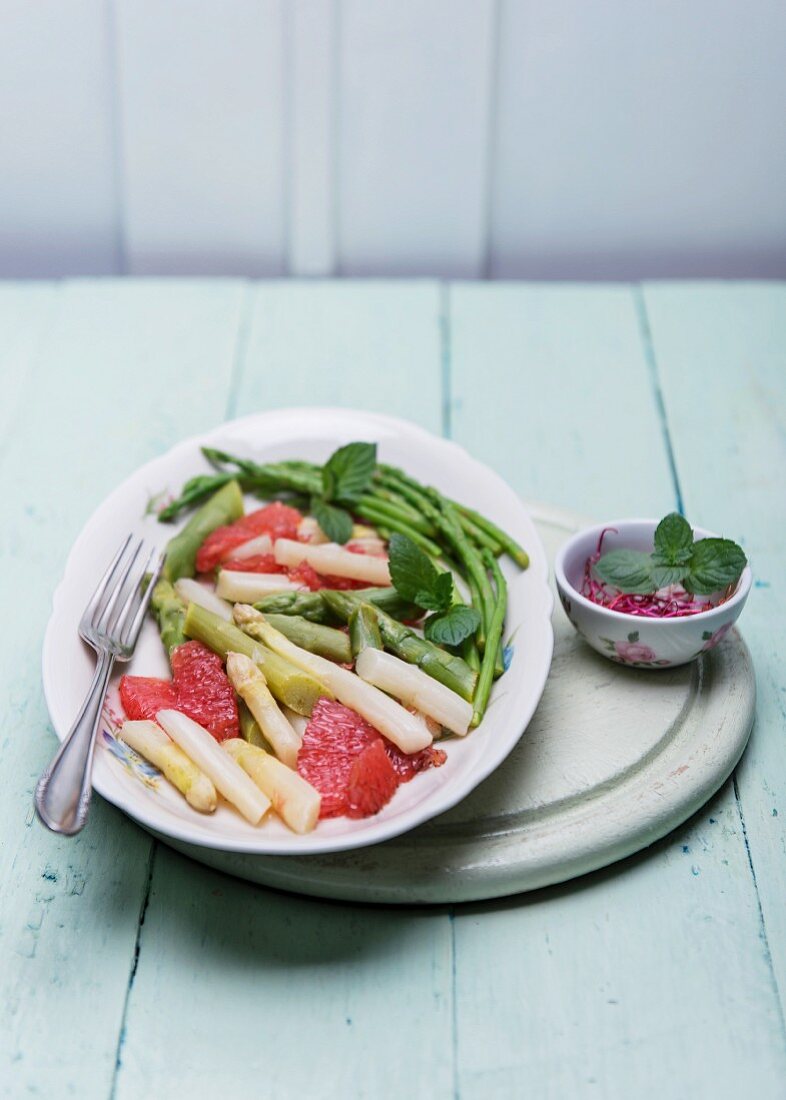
[(673, 540), (714, 565), (439, 597), (628, 570), (453, 626), (664, 575), (348, 472), (335, 522), (411, 569), (414, 576)]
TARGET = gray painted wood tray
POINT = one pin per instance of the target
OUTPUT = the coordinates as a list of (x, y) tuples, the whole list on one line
[(613, 760)]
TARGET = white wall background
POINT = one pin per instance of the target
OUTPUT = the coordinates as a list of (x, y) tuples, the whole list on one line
[(536, 138)]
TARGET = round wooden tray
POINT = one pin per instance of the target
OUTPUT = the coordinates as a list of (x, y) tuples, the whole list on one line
[(613, 760)]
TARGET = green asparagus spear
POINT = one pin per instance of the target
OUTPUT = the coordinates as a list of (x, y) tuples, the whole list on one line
[(195, 490), (308, 605), (170, 614), (493, 640), (450, 669), (478, 535), (446, 667), (343, 602), (469, 651), (249, 728), (325, 641), (223, 507), (391, 522), (508, 544), (274, 477), (292, 686), (403, 507), (364, 630)]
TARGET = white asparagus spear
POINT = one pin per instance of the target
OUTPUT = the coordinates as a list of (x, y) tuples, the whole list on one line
[(333, 559), (204, 750), (249, 682), (261, 544), (298, 722), (294, 800), (150, 741), (191, 591), (413, 686), (309, 531), (234, 585), (408, 731)]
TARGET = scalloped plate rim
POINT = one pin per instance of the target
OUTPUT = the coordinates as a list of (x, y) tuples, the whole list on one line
[(108, 781)]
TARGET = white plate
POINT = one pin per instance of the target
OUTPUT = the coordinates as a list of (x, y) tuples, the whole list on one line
[(310, 434)]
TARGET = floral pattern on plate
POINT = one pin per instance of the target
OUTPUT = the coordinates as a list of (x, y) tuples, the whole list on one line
[(133, 763)]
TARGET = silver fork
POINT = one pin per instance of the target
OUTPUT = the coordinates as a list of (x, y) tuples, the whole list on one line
[(111, 625)]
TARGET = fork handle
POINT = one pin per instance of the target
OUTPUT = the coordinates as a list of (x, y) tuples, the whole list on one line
[(62, 796)]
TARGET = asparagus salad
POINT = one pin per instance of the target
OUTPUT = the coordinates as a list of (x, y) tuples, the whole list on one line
[(321, 644)]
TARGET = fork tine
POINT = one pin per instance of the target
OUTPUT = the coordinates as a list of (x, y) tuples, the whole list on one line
[(133, 590), (131, 606), (131, 633), (95, 599), (102, 624)]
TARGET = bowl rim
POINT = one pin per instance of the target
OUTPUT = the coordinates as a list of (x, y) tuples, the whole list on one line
[(737, 598)]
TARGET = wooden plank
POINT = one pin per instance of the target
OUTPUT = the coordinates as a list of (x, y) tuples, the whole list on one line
[(558, 373), (293, 996), (107, 384), (640, 90), (59, 213), (721, 356), (312, 33), (202, 104), (653, 972), (363, 345), (414, 102), (284, 996)]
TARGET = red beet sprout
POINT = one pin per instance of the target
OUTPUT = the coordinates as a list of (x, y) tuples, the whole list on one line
[(672, 602)]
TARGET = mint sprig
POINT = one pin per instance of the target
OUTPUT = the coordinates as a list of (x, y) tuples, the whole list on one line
[(346, 476), (418, 581), (701, 567), (335, 522)]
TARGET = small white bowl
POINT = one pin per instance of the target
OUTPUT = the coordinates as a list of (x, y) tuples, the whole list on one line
[(632, 639)]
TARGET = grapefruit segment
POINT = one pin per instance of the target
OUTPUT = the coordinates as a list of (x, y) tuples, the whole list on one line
[(407, 765), (372, 781), (143, 696), (334, 737), (355, 769), (203, 690), (277, 520), (258, 563)]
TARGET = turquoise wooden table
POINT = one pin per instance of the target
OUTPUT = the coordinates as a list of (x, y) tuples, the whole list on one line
[(130, 972)]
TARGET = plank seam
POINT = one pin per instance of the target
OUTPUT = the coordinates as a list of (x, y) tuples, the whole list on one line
[(134, 967), (652, 363), (241, 347), (652, 366), (453, 1004), (762, 923)]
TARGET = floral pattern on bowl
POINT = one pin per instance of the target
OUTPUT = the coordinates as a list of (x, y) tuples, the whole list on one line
[(633, 652)]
